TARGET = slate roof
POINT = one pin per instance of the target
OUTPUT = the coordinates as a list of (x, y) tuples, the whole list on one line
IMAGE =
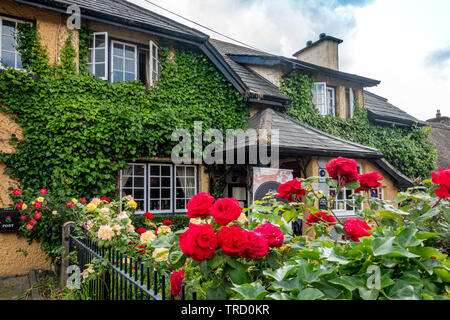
[(256, 84), (380, 110), (128, 14), (296, 138)]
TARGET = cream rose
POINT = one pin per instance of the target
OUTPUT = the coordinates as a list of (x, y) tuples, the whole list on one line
[(105, 233), (147, 237), (160, 254)]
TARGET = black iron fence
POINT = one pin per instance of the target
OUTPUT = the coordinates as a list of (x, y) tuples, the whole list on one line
[(122, 278)]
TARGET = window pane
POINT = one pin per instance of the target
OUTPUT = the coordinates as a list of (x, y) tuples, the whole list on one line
[(165, 182), (139, 182), (140, 205), (117, 76), (8, 28), (139, 170), (8, 58), (181, 171), (8, 43), (155, 193), (165, 171), (100, 55), (130, 52), (100, 41), (127, 192), (130, 66), (155, 205), (165, 193), (118, 50), (190, 193), (90, 56), (155, 182), (118, 63), (190, 171), (19, 61), (100, 70), (91, 68), (154, 170), (130, 76), (180, 204), (127, 182), (139, 194), (165, 205)]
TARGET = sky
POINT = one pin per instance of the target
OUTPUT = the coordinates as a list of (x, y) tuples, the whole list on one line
[(403, 43)]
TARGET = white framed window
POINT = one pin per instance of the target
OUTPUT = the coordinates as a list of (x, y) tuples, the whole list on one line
[(98, 55), (159, 188), (186, 186), (320, 97), (341, 207), (124, 61), (154, 63), (349, 102), (331, 100), (324, 98), (9, 55), (133, 182)]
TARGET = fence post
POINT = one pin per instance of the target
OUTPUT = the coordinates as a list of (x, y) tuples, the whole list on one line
[(66, 250)]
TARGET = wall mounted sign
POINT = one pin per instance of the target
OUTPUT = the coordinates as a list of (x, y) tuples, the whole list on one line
[(374, 193), (323, 203), (9, 220), (322, 175)]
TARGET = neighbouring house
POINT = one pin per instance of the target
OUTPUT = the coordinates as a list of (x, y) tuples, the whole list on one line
[(440, 136), (126, 44)]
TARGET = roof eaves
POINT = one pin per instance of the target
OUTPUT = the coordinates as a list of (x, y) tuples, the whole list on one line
[(401, 180)]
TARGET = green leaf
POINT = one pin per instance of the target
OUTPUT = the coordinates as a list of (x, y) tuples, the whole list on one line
[(238, 275), (288, 285), (407, 238), (204, 268), (385, 247), (280, 296), (332, 254), (216, 260), (368, 294), (251, 291), (272, 259), (350, 282), (352, 185), (310, 294), (217, 292), (281, 273)]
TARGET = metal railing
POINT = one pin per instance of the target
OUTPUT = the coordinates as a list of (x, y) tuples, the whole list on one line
[(124, 278)]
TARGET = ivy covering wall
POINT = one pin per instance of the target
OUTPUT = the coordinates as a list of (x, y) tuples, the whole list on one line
[(80, 130), (405, 148)]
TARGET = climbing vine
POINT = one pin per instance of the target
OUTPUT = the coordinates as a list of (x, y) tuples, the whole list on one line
[(80, 130), (415, 158)]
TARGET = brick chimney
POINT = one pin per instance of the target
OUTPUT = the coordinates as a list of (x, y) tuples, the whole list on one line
[(438, 114), (324, 52)]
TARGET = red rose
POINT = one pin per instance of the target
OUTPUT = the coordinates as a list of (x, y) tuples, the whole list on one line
[(69, 204), (291, 190), (141, 230), (32, 222), (37, 205), (442, 178), (141, 249), (233, 241), (316, 217), (83, 201), (199, 242), (19, 205), (148, 216), (29, 227), (105, 199), (37, 215), (343, 170), (176, 280), (272, 234), (369, 181), (225, 211), (257, 246), (17, 192), (167, 222), (43, 191), (199, 206), (356, 229), (23, 218)]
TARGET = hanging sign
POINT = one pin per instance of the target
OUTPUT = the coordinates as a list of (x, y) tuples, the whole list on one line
[(9, 220)]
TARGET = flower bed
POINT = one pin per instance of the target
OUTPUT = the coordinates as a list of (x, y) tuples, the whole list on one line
[(390, 251)]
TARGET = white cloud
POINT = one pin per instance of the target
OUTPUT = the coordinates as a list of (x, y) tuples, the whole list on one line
[(383, 39)]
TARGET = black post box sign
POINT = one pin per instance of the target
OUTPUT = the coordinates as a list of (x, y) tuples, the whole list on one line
[(9, 220)]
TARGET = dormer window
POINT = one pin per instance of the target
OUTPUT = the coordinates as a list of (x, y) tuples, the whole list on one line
[(98, 55), (9, 55), (324, 98)]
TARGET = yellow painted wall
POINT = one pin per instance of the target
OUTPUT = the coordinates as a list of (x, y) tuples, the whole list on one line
[(53, 32)]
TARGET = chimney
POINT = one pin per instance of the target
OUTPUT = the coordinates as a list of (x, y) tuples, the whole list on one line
[(438, 114), (324, 52)]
